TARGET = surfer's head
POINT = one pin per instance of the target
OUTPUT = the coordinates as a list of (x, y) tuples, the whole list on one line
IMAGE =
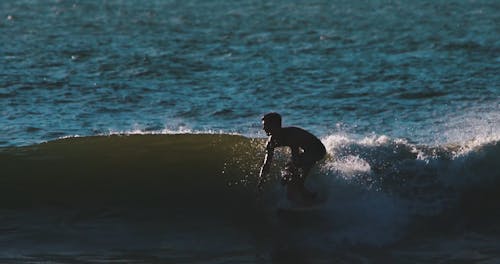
[(271, 122)]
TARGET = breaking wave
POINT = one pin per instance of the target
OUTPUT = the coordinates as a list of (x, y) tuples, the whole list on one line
[(377, 189)]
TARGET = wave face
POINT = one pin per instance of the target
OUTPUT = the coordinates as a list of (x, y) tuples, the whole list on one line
[(377, 190), (166, 170), (156, 168)]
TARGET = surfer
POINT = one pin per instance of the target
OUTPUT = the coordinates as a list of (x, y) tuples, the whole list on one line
[(306, 150)]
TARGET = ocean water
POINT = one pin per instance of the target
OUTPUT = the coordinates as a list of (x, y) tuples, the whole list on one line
[(130, 130)]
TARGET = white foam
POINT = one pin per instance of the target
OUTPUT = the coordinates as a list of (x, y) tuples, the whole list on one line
[(348, 167), (472, 128), (166, 131)]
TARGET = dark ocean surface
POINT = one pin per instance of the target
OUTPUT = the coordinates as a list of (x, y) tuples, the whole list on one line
[(130, 130)]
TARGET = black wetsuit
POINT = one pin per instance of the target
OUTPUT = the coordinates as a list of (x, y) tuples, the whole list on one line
[(306, 148)]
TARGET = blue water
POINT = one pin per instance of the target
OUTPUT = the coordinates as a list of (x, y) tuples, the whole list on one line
[(378, 81), (407, 69)]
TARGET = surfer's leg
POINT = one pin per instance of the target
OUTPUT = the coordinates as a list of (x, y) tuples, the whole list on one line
[(295, 185), (293, 178), (306, 162), (296, 172), (289, 173), (307, 195), (298, 193)]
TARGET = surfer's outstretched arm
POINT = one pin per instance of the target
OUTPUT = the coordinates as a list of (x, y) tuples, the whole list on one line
[(264, 170), (267, 163)]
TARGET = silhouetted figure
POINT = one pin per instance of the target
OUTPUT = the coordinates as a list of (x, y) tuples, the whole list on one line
[(306, 151)]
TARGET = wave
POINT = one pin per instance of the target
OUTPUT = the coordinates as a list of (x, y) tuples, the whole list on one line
[(127, 169), (377, 189), (394, 186), (209, 168), (412, 171)]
